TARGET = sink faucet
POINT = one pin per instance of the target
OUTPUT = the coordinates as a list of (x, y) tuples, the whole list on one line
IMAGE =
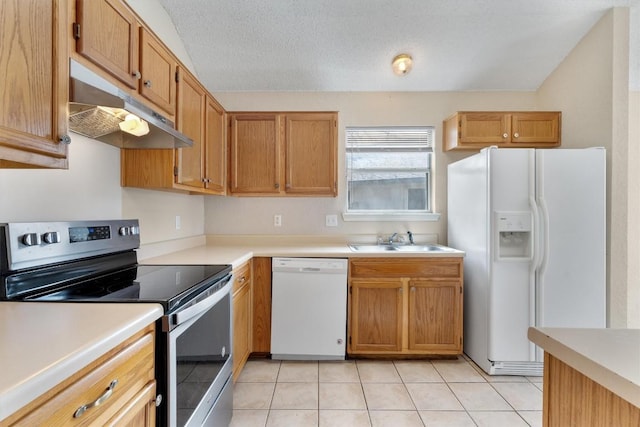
[(392, 237), (410, 234)]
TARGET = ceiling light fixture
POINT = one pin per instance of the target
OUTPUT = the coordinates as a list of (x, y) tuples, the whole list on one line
[(402, 64)]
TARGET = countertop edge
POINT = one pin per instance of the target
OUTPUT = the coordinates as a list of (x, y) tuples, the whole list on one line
[(16, 397), (612, 381)]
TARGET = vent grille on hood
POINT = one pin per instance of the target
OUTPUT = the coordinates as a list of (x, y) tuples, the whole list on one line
[(95, 122)]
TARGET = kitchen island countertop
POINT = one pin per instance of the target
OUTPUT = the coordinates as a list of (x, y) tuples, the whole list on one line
[(610, 357), (45, 343)]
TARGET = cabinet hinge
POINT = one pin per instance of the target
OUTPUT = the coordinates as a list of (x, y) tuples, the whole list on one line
[(350, 289), (177, 77), (349, 339), (76, 31), (175, 171)]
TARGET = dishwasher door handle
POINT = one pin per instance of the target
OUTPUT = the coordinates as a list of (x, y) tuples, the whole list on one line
[(309, 270)]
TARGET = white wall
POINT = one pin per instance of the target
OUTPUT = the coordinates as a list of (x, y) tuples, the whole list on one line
[(89, 189), (249, 215), (591, 87)]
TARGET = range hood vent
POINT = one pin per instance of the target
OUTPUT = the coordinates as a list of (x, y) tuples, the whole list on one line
[(100, 110)]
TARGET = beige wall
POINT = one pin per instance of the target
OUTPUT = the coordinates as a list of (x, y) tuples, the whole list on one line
[(245, 215)]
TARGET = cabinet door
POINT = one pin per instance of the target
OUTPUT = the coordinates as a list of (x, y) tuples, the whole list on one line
[(139, 411), (485, 128), (190, 121), (537, 128), (108, 37), (311, 152), (261, 305), (158, 73), (255, 154), (435, 315), (241, 328), (34, 89), (375, 316), (215, 147)]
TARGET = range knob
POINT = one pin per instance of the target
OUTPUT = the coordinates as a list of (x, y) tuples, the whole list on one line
[(135, 230), (51, 237), (30, 239), (124, 231)]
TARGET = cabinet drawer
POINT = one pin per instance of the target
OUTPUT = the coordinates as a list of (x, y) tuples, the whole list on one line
[(132, 366), (405, 267), (242, 276)]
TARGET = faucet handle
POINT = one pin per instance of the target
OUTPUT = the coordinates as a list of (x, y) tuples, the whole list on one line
[(410, 234)]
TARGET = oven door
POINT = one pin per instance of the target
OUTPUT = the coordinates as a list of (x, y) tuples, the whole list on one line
[(199, 362)]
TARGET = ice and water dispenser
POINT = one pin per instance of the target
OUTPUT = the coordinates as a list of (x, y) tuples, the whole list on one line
[(514, 235)]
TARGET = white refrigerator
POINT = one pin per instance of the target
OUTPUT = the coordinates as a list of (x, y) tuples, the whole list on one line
[(533, 225)]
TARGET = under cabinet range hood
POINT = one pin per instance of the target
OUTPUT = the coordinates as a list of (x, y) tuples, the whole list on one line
[(100, 110)]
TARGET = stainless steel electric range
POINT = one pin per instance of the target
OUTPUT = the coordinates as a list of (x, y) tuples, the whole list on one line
[(95, 262)]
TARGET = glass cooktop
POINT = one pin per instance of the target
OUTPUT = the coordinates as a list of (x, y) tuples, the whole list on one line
[(168, 285)]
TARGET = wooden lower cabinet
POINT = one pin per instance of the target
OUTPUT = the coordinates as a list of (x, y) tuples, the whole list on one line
[(241, 300), (405, 306), (261, 306), (131, 402), (573, 399)]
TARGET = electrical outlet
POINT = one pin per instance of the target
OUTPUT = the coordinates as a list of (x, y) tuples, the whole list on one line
[(277, 220), (178, 222), (331, 220)]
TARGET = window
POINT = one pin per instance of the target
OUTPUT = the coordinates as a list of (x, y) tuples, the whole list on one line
[(389, 170)]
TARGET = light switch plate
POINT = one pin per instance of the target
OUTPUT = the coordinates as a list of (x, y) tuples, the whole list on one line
[(331, 220)]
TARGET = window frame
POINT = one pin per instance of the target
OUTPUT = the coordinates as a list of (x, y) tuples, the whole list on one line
[(427, 214)]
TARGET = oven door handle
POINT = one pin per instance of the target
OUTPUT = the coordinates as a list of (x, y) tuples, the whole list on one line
[(202, 306)]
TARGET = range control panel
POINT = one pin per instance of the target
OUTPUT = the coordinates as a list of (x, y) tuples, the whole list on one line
[(30, 244)]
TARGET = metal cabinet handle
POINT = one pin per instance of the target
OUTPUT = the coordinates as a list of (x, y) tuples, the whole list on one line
[(413, 289), (276, 185), (65, 139), (158, 400), (137, 74), (505, 135), (99, 401), (242, 279), (516, 135), (147, 83)]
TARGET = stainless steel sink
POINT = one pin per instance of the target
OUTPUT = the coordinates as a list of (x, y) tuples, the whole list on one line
[(371, 248), (399, 248), (423, 248)]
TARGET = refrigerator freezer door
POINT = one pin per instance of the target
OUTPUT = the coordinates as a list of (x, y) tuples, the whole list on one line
[(571, 288), (510, 306)]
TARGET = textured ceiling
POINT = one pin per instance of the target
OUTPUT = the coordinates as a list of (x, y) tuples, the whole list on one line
[(347, 45)]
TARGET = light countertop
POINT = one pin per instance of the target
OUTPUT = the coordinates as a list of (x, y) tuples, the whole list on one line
[(45, 343), (610, 357), (239, 249)]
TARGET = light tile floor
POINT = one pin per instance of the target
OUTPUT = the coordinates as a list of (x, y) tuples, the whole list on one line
[(452, 393)]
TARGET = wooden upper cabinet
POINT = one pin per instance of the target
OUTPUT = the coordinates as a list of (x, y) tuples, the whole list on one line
[(107, 34), (190, 121), (216, 152), (541, 129), (526, 129), (283, 154), (254, 154), (199, 169), (157, 73), (34, 89), (311, 151)]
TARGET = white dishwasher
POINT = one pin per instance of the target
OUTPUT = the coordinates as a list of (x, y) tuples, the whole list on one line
[(309, 308)]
